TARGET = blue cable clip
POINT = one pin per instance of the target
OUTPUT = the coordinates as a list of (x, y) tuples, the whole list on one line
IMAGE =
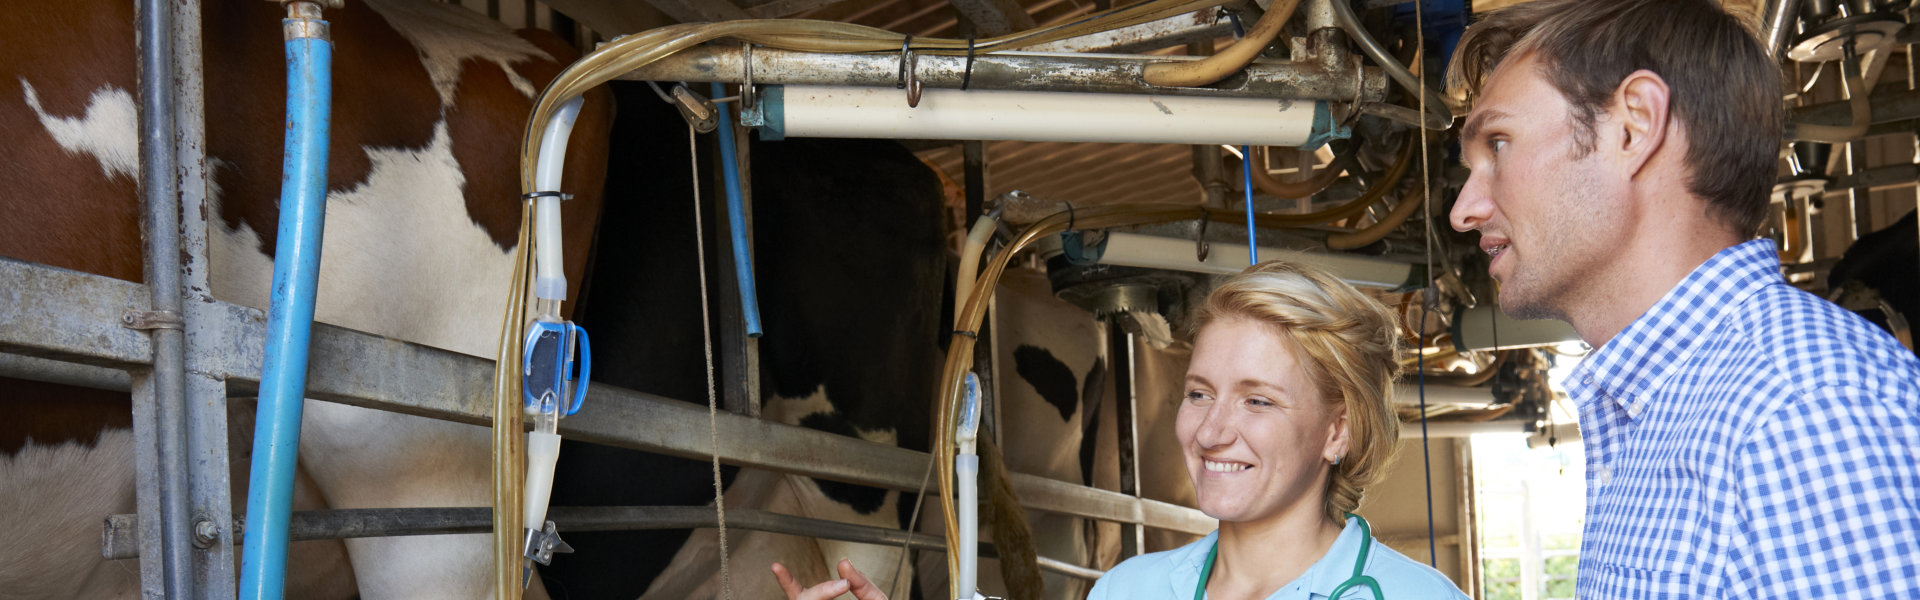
[(547, 368)]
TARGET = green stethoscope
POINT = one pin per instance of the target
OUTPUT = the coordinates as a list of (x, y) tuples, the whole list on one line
[(1359, 564)]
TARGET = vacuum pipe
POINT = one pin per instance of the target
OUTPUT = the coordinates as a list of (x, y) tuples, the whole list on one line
[(794, 111), (296, 275)]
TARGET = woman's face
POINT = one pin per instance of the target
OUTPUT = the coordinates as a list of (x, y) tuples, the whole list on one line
[(1257, 433)]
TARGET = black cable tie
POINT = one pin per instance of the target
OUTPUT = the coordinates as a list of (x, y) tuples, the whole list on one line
[(539, 195), (966, 74), (966, 333)]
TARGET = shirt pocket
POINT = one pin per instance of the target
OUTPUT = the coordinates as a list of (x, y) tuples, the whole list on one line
[(1615, 581)]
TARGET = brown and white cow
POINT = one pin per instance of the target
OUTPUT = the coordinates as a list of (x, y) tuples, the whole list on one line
[(429, 104)]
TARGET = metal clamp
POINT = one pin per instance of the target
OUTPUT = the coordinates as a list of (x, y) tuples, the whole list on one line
[(698, 111), (907, 79), (751, 113), (152, 319)]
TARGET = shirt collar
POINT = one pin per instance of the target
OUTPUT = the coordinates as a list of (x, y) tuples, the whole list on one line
[(1651, 348), (1327, 573)]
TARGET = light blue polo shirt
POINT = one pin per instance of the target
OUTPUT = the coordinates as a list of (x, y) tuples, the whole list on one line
[(1172, 575)]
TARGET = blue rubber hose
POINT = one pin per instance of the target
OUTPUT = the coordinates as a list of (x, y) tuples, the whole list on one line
[(737, 220), (296, 276)]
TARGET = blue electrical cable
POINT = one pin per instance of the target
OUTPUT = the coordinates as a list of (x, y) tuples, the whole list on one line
[(1246, 169), (737, 219), (296, 274), (1425, 457)]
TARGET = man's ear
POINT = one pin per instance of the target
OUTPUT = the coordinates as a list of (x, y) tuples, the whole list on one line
[(1640, 110)]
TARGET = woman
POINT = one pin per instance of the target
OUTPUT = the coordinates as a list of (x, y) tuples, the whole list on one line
[(1286, 420)]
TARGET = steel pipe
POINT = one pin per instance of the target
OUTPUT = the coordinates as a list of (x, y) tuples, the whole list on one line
[(1011, 71), (166, 390), (118, 536), (1778, 29)]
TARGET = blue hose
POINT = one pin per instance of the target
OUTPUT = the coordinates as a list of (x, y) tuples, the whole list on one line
[(296, 274), (737, 220)]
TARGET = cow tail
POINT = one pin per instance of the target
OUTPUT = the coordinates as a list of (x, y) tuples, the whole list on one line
[(1012, 536)]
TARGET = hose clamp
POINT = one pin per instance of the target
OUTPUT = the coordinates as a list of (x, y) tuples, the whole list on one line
[(152, 319)]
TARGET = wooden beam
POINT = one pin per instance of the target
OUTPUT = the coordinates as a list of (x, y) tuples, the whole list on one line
[(611, 18), (994, 17), (785, 8), (693, 11)]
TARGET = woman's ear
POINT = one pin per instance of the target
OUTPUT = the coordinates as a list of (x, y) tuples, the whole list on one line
[(1337, 435)]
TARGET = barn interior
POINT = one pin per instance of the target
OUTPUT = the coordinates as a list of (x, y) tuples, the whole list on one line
[(1357, 176)]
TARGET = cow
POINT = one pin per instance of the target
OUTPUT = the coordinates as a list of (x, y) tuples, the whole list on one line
[(851, 269), (1882, 266), (429, 105)]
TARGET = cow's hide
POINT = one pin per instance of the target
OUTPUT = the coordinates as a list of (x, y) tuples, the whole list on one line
[(428, 107)]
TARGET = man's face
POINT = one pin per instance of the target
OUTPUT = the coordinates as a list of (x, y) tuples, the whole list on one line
[(1540, 202)]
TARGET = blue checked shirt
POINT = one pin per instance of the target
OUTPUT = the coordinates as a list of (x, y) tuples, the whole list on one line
[(1745, 439)]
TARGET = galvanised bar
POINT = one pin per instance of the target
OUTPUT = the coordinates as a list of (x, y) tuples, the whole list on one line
[(376, 372), (118, 536)]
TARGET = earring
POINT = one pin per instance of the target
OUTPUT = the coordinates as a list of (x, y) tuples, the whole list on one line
[(1337, 459)]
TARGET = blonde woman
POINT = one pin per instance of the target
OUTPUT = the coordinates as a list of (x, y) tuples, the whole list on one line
[(1287, 418)]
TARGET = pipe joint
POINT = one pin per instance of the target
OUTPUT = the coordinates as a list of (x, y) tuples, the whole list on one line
[(304, 22)]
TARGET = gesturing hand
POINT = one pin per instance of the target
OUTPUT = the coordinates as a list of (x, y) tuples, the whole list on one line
[(851, 580)]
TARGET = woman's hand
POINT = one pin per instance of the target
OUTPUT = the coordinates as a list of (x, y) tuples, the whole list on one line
[(851, 580)]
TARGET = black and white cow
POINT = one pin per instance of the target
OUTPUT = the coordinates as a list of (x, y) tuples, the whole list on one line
[(851, 265), (1887, 262)]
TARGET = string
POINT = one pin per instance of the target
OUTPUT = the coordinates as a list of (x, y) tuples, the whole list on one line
[(706, 333)]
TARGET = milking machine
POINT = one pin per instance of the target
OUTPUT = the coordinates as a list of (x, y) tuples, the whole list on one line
[(553, 382), (966, 471)]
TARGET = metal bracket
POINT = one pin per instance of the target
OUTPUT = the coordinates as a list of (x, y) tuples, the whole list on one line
[(544, 542), (152, 319)]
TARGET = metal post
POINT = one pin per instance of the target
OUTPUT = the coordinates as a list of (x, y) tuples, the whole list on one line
[(160, 394), (210, 503), (739, 351), (1120, 346)]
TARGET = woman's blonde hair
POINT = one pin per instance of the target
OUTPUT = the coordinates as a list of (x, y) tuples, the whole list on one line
[(1351, 344)]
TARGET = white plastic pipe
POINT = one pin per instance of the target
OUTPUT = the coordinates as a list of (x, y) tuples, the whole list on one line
[(970, 258), (550, 276), (543, 450), (1155, 252), (1484, 327), (855, 112), (966, 470)]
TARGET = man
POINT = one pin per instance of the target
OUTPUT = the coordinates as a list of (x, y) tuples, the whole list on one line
[(1744, 439)]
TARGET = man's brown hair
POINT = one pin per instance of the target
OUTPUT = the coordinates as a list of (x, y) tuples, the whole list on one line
[(1726, 90)]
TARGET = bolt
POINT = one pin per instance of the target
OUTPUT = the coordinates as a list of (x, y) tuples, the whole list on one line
[(205, 533)]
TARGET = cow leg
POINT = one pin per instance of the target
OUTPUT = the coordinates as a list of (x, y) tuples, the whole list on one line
[(316, 568), (363, 458), (57, 496)]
